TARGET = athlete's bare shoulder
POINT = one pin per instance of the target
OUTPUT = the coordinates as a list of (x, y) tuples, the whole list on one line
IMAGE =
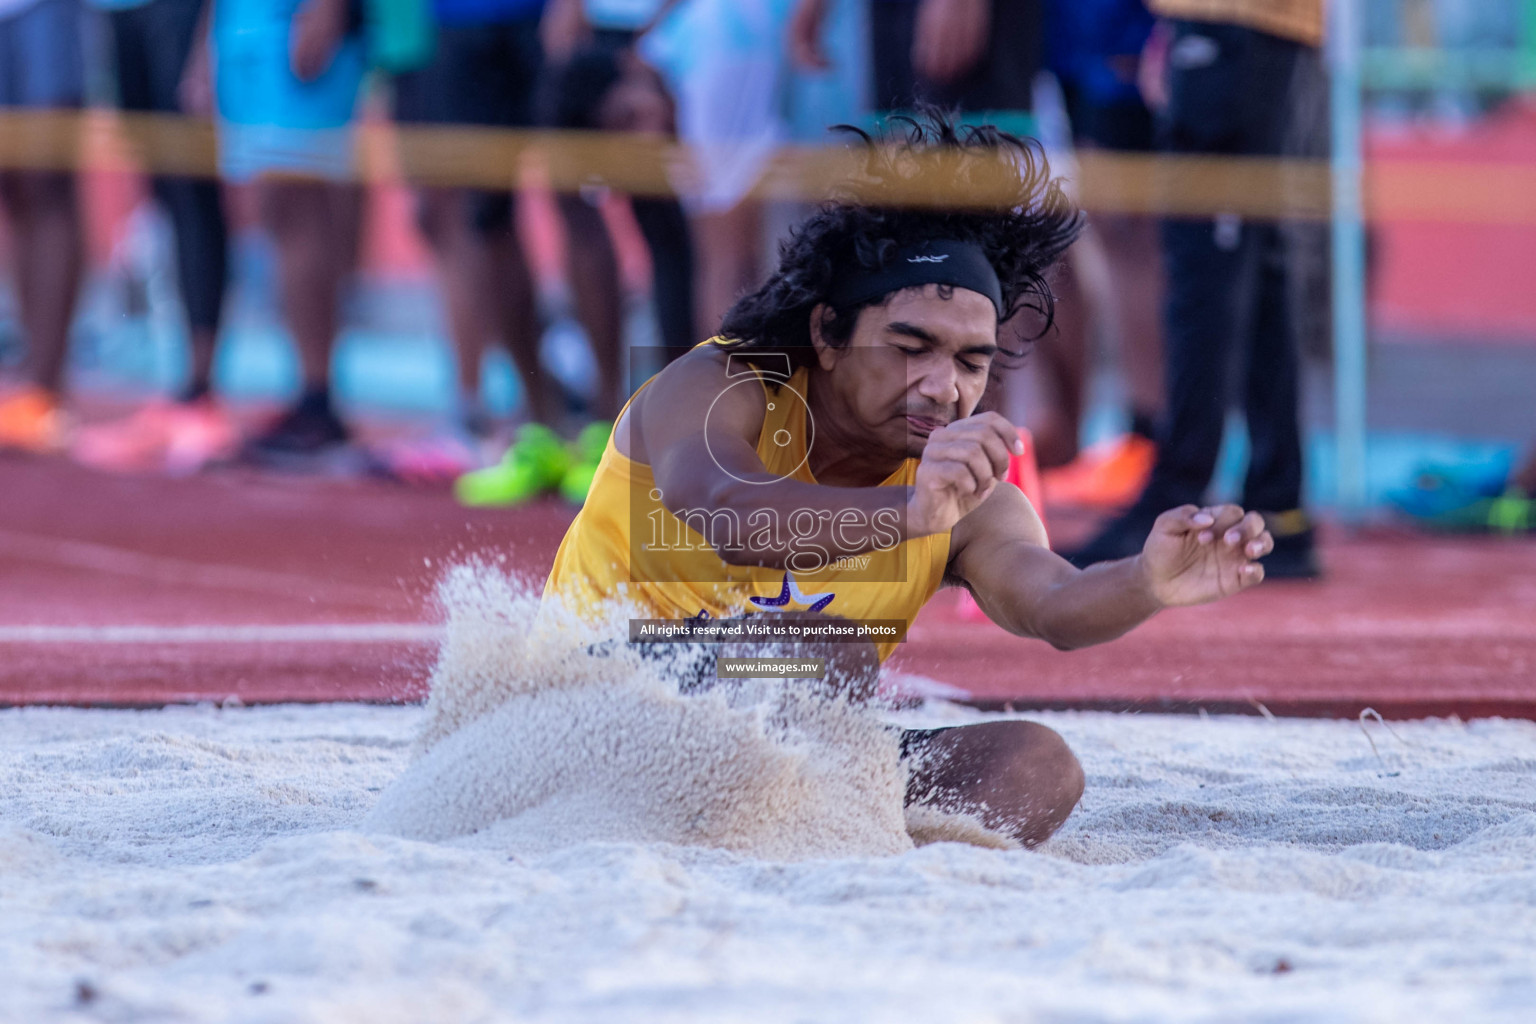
[(693, 391)]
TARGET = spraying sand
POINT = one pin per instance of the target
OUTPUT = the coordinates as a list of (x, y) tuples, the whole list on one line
[(548, 742)]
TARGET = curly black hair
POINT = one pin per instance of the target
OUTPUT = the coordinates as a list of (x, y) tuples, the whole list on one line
[(1020, 218)]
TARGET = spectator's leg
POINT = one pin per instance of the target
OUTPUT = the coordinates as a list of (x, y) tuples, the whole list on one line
[(308, 221), (44, 216), (1524, 477), (728, 259), (1204, 260), (487, 289), (515, 302), (1061, 359), (665, 228), (44, 72), (593, 272), (1272, 394), (151, 45), (195, 208), (1136, 271), (439, 218)]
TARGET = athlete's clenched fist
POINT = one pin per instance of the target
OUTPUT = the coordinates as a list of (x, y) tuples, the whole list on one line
[(961, 465)]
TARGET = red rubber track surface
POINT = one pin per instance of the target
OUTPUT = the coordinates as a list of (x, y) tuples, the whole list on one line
[(264, 590)]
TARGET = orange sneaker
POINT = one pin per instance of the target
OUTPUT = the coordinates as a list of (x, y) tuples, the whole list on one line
[(1108, 475), (32, 421), (162, 437)]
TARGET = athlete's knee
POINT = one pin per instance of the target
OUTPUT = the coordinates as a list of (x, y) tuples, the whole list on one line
[(1061, 764), (1020, 777), (1047, 775)]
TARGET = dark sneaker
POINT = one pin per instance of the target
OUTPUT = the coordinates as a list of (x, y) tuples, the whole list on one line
[(1295, 553), (300, 437)]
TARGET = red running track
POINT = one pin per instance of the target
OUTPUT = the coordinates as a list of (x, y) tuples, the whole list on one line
[(137, 592)]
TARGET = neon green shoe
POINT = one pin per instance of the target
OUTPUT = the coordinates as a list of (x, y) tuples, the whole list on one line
[(536, 462), (1511, 513), (586, 452)]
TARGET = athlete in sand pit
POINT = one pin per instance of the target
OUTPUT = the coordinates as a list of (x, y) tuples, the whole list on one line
[(825, 456)]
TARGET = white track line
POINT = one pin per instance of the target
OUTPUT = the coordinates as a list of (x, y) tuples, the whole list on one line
[(81, 554), (335, 633)]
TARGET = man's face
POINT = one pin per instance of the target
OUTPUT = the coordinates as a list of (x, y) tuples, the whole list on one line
[(914, 364)]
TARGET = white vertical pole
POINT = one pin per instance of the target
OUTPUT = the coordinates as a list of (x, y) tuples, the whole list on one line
[(1348, 256)]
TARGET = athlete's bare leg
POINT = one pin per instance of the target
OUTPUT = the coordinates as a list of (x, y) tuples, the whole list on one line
[(1018, 778)]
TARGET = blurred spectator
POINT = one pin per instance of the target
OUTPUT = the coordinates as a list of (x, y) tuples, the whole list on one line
[(41, 68), (977, 56), (1229, 70), (161, 66), (604, 85), (484, 74), (288, 74), (725, 61), (600, 82), (1095, 51)]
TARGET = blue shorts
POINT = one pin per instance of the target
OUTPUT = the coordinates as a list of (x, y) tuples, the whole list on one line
[(270, 122), (41, 65)]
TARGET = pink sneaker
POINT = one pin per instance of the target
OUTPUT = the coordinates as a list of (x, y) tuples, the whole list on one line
[(200, 433), (432, 461), (162, 437)]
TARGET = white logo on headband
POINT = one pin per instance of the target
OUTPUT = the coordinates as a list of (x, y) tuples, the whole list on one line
[(928, 259)]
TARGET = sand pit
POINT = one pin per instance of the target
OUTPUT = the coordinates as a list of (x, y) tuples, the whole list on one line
[(204, 864)]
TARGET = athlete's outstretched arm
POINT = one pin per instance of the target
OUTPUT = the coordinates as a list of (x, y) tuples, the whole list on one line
[(698, 427), (1194, 555)]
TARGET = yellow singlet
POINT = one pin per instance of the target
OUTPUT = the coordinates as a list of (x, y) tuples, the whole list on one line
[(626, 543)]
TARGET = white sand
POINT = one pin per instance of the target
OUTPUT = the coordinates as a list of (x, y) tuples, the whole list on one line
[(560, 836), (199, 864)]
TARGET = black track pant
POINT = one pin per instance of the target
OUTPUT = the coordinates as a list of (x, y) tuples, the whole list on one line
[(1226, 306), (151, 44)]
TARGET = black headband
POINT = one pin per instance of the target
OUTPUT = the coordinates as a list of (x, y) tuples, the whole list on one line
[(946, 262)]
